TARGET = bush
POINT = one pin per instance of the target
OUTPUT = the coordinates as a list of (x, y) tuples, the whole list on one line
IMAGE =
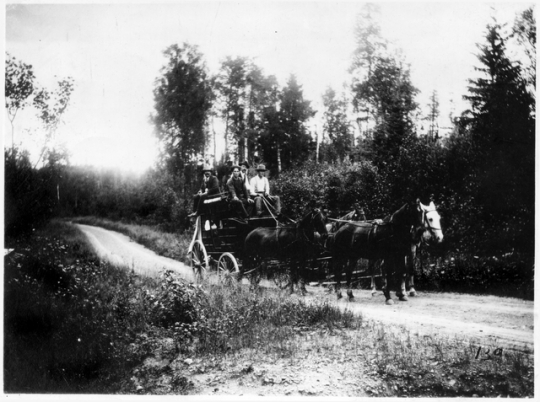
[(69, 320), (510, 275), (336, 187)]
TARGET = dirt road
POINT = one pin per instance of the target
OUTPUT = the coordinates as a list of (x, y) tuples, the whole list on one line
[(488, 320), (120, 250)]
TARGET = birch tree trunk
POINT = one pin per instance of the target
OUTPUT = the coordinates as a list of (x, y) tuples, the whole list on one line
[(278, 157)]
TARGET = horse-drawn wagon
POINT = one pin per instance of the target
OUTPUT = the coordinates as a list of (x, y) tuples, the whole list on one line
[(256, 247)]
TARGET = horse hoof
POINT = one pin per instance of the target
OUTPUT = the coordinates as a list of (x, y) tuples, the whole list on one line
[(403, 298), (412, 293), (339, 295), (349, 293), (389, 302), (373, 294)]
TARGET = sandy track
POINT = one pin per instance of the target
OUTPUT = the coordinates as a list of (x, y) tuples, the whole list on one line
[(486, 320), (120, 250)]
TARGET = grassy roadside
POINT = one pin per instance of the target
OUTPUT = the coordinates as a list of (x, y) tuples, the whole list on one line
[(73, 324), (169, 245)]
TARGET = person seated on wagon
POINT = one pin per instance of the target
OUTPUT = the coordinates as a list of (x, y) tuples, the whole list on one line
[(244, 166), (239, 193), (209, 188), (260, 187), (225, 174)]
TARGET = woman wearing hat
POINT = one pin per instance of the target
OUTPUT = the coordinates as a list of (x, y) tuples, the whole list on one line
[(260, 187), (209, 187)]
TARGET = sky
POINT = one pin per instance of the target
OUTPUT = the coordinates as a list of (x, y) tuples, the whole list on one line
[(114, 52)]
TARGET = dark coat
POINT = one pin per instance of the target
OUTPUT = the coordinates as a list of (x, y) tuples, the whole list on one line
[(212, 185), (237, 187)]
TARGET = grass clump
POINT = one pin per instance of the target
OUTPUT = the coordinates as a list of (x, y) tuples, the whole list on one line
[(225, 318), (414, 365)]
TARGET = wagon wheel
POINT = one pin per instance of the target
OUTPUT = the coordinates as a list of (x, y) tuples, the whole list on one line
[(227, 267), (199, 260)]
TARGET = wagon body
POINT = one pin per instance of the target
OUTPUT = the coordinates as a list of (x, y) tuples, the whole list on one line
[(218, 240), (218, 243)]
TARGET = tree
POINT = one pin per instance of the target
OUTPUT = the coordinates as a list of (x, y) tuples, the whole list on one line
[(524, 30), (51, 107), (370, 46), (19, 86), (336, 124), (231, 86), (433, 116), (183, 98), (262, 95), (502, 128), (391, 94), (287, 141), (382, 89)]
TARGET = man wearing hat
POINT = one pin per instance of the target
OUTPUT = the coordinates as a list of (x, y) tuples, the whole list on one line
[(209, 188), (244, 166), (239, 193), (261, 188), (225, 173)]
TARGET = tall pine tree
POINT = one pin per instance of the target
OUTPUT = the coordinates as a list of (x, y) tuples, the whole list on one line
[(502, 135)]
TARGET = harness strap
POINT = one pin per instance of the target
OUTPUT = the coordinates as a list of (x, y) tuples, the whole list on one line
[(268, 206)]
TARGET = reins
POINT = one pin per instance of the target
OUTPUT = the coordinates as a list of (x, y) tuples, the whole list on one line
[(360, 223)]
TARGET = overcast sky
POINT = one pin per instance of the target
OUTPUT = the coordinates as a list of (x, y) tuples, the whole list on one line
[(114, 54)]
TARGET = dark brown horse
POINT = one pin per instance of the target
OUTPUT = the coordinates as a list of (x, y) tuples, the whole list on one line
[(356, 215), (421, 237), (296, 243), (390, 241)]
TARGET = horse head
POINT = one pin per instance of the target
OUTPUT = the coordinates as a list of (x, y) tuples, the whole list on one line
[(431, 221), (358, 213), (314, 221)]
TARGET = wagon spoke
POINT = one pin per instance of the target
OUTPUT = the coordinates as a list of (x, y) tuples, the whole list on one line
[(199, 260)]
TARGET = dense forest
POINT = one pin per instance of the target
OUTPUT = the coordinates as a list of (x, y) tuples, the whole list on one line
[(481, 175)]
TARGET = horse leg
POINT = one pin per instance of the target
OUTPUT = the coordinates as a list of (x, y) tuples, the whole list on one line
[(246, 264), (386, 275), (302, 276), (293, 275), (411, 259), (402, 275), (351, 264), (337, 262), (371, 267)]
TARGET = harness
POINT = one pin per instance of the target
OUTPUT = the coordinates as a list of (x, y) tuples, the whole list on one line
[(303, 236), (426, 221)]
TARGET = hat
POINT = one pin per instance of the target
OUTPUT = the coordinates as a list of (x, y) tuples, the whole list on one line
[(245, 164), (207, 168), (261, 167), (235, 167), (229, 162)]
